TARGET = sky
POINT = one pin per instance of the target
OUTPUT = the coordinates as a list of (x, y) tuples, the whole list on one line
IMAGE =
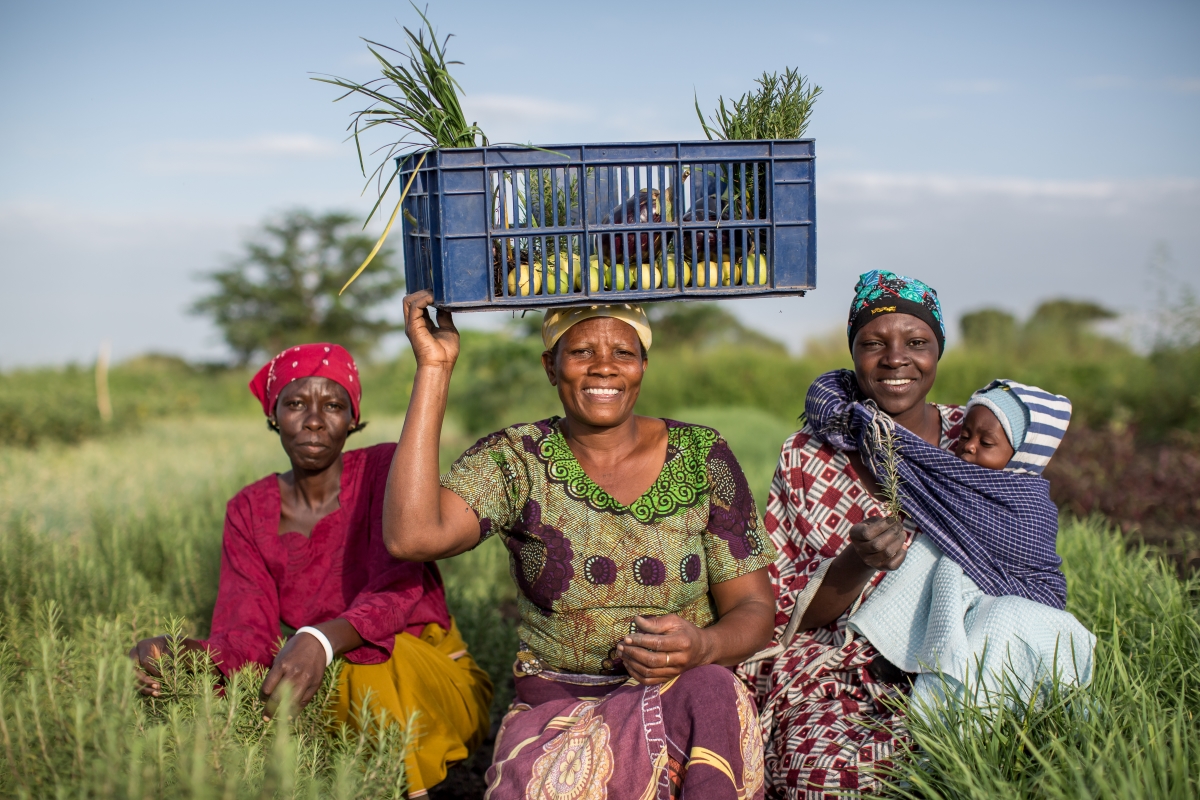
[(1003, 153)]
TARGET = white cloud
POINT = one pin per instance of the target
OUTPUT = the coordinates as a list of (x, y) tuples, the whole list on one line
[(1184, 85), (226, 156), (883, 184), (974, 87), (503, 108), (1104, 82)]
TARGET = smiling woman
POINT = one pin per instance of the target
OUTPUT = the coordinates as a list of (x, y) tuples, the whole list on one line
[(825, 698), (636, 549), (304, 550)]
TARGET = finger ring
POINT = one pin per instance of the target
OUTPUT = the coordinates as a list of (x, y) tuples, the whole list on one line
[(668, 659)]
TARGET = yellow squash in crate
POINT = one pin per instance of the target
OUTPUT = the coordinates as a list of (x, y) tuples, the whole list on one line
[(524, 281), (616, 275), (555, 276), (727, 274), (671, 276)]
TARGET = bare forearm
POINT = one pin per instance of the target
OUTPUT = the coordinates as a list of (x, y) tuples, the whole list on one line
[(740, 633), (412, 510), (844, 582), (342, 636)]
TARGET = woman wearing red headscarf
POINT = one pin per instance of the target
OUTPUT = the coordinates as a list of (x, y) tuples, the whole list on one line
[(304, 549)]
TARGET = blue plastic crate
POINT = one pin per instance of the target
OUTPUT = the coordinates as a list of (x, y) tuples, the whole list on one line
[(500, 227)]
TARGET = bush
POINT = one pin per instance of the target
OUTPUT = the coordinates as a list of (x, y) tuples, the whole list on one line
[(59, 405), (1146, 488)]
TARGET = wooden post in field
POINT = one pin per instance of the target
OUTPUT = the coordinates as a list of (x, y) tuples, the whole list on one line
[(103, 401)]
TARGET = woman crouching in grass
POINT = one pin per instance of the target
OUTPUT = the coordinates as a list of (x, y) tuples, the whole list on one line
[(637, 553), (305, 549)]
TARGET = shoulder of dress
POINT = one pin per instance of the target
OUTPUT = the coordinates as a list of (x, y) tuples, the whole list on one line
[(251, 492), (255, 498), (952, 418), (687, 433), (803, 439), (373, 455), (367, 466), (515, 437)]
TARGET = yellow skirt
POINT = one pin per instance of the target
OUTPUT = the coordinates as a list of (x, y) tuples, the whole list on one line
[(435, 677)]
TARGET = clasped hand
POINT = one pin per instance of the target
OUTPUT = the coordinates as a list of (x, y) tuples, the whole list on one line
[(881, 543), (662, 648)]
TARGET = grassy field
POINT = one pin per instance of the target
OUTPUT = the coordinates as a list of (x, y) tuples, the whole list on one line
[(119, 537)]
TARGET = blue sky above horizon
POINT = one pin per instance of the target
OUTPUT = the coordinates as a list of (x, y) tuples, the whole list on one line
[(1005, 154)]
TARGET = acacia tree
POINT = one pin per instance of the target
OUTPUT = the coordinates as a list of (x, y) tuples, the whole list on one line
[(284, 289)]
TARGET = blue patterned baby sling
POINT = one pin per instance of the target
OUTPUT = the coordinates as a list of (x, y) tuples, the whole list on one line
[(1000, 527)]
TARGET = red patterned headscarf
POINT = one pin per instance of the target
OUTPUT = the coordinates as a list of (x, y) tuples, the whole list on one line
[(322, 360)]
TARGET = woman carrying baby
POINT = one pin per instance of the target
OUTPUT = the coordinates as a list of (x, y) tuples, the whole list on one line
[(828, 694), (830, 725)]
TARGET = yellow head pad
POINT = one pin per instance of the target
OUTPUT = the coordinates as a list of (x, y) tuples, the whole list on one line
[(559, 320)]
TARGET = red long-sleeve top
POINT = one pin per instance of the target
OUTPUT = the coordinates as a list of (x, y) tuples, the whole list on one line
[(341, 569)]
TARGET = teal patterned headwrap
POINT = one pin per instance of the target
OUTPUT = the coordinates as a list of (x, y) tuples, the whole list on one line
[(882, 292)]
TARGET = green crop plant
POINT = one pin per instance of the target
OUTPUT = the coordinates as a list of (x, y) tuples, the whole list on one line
[(118, 538), (420, 98), (780, 108), (1133, 733)]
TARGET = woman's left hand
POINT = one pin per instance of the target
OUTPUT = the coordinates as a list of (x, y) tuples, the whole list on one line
[(663, 647), (301, 663)]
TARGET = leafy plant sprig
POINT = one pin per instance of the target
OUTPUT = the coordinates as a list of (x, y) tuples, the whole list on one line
[(887, 470), (779, 109), (425, 103)]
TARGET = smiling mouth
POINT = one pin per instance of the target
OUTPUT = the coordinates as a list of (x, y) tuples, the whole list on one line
[(601, 393), (897, 382)]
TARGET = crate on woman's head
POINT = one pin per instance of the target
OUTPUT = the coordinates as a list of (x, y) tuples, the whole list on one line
[(494, 227)]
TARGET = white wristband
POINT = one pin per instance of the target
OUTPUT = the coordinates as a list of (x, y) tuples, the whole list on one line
[(322, 638)]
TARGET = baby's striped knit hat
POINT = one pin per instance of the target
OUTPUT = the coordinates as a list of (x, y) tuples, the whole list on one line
[(1033, 419)]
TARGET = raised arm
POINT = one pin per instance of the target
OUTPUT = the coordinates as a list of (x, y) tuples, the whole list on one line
[(421, 520)]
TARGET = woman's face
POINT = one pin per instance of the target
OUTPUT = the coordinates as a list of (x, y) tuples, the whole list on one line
[(315, 417), (895, 361), (597, 367)]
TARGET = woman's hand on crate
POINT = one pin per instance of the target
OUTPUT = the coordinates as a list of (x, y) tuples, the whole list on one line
[(433, 346)]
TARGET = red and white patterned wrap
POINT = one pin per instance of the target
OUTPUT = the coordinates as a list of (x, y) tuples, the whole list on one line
[(825, 718)]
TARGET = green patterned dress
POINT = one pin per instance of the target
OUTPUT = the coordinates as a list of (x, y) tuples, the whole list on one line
[(585, 565)]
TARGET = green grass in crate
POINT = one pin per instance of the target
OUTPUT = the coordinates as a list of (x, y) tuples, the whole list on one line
[(111, 540)]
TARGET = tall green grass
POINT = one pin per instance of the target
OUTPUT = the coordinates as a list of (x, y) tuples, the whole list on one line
[(1133, 733), (118, 538)]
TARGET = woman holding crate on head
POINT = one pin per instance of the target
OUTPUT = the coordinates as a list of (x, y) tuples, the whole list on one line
[(636, 549)]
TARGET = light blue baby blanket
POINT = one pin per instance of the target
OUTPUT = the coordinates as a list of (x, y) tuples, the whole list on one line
[(928, 617)]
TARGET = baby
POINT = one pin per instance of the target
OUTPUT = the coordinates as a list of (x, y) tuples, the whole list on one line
[(928, 617), (1013, 427)]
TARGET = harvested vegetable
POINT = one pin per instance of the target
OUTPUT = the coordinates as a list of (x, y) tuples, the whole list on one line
[(779, 109), (421, 99)]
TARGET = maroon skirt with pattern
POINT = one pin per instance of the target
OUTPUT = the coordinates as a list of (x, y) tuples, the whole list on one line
[(583, 737)]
